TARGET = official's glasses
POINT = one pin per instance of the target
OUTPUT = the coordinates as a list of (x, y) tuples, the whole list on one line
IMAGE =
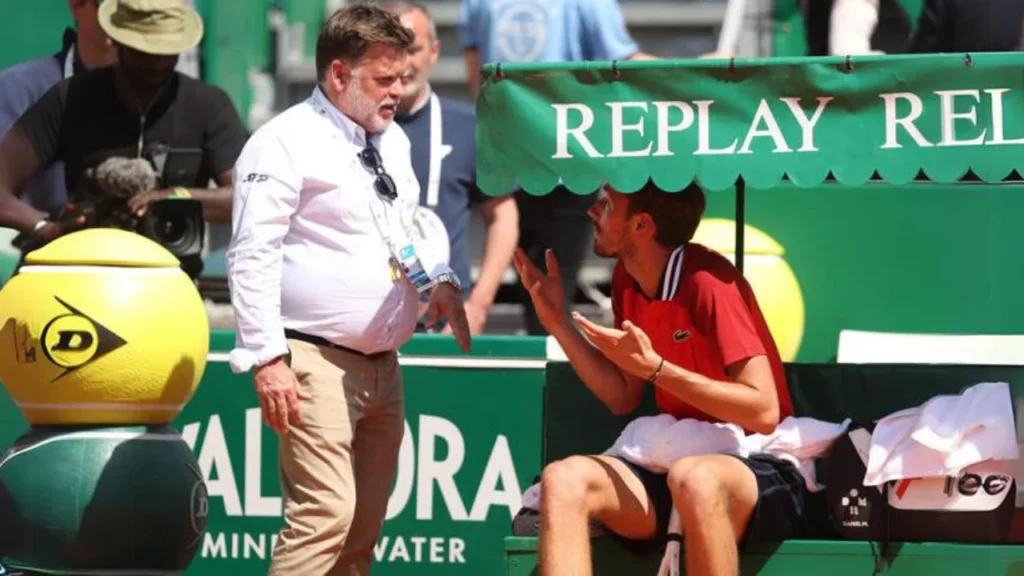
[(384, 184)]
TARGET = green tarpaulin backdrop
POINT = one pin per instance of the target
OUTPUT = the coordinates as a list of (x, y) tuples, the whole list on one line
[(893, 117)]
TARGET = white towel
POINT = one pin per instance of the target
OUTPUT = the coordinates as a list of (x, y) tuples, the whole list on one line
[(656, 442), (944, 435), (800, 441)]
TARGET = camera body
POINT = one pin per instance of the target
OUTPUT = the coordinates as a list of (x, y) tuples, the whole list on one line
[(177, 224)]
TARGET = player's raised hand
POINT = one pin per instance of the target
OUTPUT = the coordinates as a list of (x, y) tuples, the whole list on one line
[(630, 349), (545, 288)]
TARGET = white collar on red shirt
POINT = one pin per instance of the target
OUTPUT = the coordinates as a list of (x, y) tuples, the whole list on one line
[(673, 275)]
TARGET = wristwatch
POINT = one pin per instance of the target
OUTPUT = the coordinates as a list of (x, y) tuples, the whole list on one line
[(449, 278), (34, 234), (28, 241)]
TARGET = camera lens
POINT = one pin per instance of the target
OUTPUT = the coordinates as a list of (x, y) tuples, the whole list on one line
[(170, 230), (178, 226)]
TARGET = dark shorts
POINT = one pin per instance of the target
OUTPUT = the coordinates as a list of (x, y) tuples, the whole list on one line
[(778, 515)]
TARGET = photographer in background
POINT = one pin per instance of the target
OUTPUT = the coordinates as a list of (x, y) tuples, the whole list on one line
[(142, 109)]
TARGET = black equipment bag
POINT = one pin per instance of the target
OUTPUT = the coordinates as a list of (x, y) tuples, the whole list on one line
[(975, 507)]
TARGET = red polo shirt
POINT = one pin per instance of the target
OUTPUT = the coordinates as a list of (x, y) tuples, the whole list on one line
[(705, 317)]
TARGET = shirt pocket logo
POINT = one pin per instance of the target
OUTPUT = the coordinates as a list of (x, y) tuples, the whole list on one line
[(680, 335)]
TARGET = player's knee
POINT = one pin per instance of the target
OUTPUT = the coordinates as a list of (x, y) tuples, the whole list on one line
[(696, 486), (567, 483)]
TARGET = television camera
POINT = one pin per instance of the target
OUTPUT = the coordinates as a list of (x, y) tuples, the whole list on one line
[(175, 223)]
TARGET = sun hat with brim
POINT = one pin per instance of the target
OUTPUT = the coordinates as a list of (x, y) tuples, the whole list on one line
[(164, 27)]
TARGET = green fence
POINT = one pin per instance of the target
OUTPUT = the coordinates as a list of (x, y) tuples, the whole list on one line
[(472, 446)]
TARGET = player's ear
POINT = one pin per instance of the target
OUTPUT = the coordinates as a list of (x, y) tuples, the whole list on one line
[(643, 223)]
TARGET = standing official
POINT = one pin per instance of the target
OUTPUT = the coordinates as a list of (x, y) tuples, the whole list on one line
[(326, 280)]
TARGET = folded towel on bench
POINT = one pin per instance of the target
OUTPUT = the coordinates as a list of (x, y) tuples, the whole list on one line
[(944, 435)]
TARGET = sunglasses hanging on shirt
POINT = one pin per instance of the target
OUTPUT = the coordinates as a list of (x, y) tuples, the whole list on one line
[(384, 185)]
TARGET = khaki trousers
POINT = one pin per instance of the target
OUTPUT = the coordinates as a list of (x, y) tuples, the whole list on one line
[(338, 466)]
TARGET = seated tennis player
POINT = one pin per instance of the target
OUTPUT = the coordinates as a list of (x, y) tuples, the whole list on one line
[(688, 324)]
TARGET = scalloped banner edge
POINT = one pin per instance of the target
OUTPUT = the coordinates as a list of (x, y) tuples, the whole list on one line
[(541, 185)]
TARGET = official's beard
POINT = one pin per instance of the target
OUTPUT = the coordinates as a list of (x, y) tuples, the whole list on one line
[(363, 110)]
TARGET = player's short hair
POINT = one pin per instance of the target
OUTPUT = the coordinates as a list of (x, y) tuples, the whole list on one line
[(676, 215)]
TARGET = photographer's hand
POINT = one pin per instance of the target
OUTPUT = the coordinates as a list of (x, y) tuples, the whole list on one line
[(139, 203), (63, 226), (50, 230)]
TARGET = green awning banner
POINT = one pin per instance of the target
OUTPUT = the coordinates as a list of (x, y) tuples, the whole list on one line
[(762, 120)]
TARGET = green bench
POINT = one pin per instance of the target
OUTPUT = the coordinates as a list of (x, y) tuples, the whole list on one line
[(575, 422)]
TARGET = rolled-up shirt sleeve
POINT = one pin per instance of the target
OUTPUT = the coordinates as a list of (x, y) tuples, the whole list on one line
[(266, 194)]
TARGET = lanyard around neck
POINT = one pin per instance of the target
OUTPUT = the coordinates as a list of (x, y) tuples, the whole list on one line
[(434, 174), (69, 63)]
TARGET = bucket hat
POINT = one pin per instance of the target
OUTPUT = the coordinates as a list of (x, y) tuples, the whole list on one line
[(164, 27)]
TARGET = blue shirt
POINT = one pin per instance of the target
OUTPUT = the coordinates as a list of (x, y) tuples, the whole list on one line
[(21, 86), (457, 191), (545, 30)]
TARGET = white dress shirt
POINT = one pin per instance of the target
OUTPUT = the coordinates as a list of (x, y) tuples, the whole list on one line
[(306, 251)]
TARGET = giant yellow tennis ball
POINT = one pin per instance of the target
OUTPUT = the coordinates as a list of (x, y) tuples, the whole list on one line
[(773, 281), (102, 327)]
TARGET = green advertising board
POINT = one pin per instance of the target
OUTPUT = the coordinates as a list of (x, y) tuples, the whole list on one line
[(472, 445), (764, 122)]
